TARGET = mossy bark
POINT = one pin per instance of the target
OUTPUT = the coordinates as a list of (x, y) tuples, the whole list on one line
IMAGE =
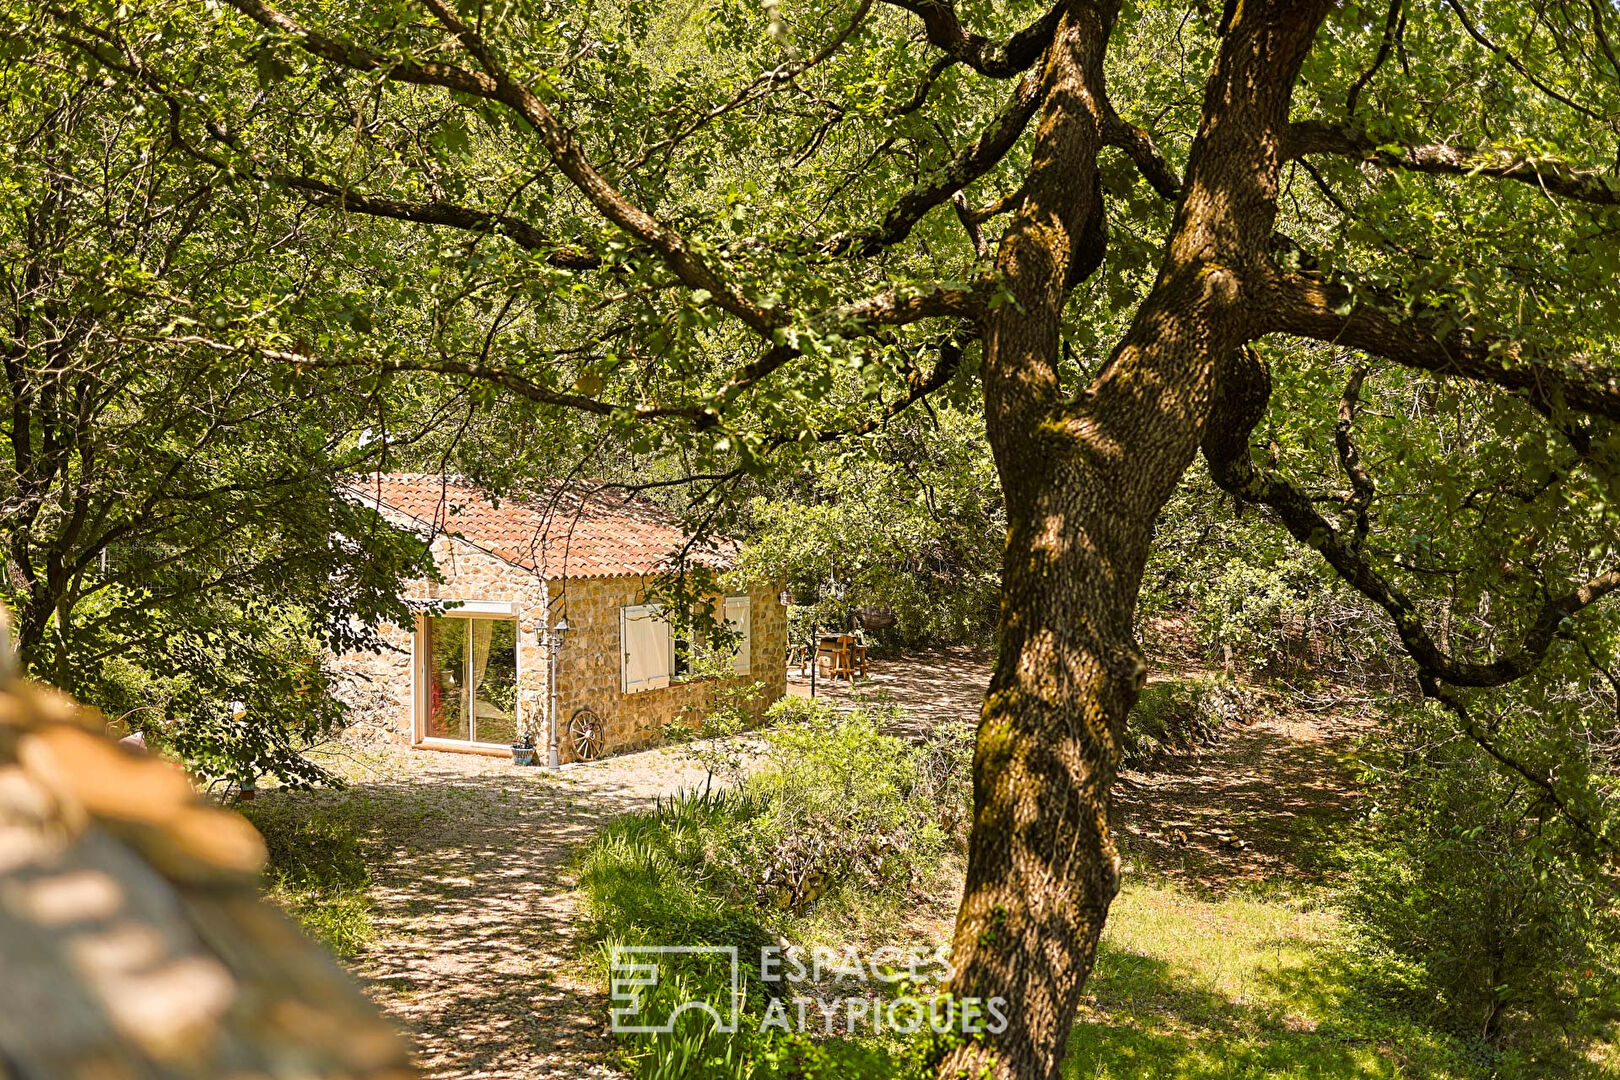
[(1085, 478)]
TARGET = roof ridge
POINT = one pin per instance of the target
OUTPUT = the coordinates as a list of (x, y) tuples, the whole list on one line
[(568, 529)]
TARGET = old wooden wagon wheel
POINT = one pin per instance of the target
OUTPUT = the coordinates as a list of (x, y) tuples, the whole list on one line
[(585, 730)]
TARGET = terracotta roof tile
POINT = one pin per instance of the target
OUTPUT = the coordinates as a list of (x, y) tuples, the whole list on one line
[(565, 531), (132, 937)]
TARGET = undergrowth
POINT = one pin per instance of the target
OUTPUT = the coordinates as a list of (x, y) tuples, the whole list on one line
[(1179, 714), (316, 871), (829, 842)]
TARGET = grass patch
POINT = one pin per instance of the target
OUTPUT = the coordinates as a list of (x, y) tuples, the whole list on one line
[(316, 870), (1245, 987)]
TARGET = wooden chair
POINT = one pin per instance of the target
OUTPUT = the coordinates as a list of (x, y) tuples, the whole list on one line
[(844, 666), (857, 651)]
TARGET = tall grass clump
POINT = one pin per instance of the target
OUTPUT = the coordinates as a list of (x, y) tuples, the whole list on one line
[(316, 871)]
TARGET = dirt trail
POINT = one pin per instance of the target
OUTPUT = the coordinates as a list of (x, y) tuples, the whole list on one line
[(1261, 803), (475, 908)]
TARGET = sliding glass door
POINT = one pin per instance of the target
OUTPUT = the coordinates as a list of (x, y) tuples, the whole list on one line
[(471, 666)]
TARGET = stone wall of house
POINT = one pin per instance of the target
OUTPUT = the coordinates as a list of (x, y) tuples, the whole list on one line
[(589, 673), (380, 687), (377, 689)]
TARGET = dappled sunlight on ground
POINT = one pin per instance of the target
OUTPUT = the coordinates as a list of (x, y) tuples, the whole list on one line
[(476, 916), (934, 687), (1261, 803)]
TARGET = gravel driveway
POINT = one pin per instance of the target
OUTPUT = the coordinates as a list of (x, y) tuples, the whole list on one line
[(475, 907)]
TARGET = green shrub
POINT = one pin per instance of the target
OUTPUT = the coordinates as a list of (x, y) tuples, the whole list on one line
[(834, 831), (1179, 714), (844, 805), (670, 877), (796, 710), (835, 804), (1493, 930), (707, 730), (1284, 618), (316, 871)]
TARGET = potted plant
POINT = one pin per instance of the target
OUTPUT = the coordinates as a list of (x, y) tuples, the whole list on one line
[(523, 749)]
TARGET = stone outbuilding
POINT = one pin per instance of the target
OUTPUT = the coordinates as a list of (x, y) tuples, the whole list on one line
[(545, 623)]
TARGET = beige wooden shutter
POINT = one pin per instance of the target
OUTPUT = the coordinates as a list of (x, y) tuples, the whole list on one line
[(646, 648)]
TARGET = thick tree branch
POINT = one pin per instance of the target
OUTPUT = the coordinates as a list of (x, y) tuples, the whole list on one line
[(439, 212), (518, 384), (1392, 23), (918, 387), (762, 86), (1434, 341), (1144, 153), (919, 96), (1540, 781), (116, 54), (970, 163), (1551, 175), (900, 306), (1514, 62), (1362, 487), (889, 308), (998, 60), (347, 54)]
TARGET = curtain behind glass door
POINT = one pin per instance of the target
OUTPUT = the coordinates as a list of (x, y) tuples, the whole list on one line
[(446, 660), (493, 680)]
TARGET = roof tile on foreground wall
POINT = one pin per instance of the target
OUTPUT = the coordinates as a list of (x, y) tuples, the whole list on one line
[(133, 942), (568, 530)]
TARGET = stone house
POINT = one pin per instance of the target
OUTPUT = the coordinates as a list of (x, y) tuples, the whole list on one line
[(540, 595)]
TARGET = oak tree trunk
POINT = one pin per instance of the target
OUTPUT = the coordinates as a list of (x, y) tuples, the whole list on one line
[(1084, 481)]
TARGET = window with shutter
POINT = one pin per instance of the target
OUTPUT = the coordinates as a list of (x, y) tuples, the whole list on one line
[(646, 648), (739, 620)]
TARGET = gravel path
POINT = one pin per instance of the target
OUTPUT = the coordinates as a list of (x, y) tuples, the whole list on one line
[(475, 907), (933, 687)]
